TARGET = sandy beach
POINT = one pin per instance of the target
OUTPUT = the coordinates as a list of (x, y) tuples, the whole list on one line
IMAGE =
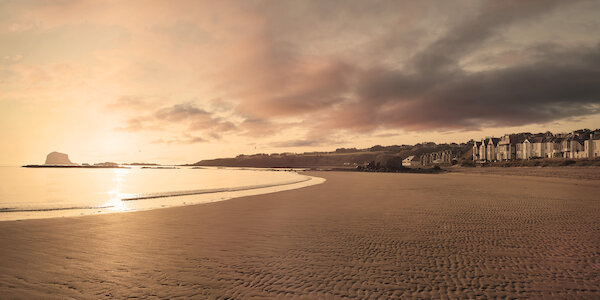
[(586, 173), (358, 235)]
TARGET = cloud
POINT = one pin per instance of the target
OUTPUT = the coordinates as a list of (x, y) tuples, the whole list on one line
[(179, 112), (431, 90), (306, 143), (255, 127), (299, 88), (297, 143), (274, 80), (434, 91), (300, 72), (220, 105), (182, 117), (556, 86), (483, 24), (186, 139)]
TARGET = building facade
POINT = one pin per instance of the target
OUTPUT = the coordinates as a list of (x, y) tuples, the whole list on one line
[(529, 146)]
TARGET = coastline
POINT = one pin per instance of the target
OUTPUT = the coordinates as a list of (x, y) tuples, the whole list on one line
[(153, 201), (357, 235), (74, 166)]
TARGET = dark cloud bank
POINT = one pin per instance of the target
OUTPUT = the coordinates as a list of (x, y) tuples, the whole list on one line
[(557, 86), (431, 90), (434, 92)]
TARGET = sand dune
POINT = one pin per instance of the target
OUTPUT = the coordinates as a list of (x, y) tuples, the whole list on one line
[(359, 235)]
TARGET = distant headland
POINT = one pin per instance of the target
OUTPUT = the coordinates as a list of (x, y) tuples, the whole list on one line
[(578, 148), (61, 160)]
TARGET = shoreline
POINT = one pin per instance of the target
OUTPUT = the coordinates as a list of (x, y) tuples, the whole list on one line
[(75, 166), (388, 235), (173, 199)]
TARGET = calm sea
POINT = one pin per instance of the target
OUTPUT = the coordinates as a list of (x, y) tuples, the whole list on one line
[(27, 193)]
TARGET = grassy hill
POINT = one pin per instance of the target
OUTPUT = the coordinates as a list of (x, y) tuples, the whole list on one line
[(343, 157)]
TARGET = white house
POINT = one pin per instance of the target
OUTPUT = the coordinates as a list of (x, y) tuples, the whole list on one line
[(491, 149), (537, 147), (551, 148), (592, 147), (476, 156), (482, 151), (527, 149), (410, 161), (504, 148)]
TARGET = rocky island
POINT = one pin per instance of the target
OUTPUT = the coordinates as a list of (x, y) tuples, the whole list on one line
[(57, 158), (61, 160)]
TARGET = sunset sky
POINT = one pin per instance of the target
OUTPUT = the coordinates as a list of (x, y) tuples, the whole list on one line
[(180, 81)]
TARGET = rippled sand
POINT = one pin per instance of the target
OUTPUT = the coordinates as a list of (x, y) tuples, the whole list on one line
[(587, 173), (359, 235)]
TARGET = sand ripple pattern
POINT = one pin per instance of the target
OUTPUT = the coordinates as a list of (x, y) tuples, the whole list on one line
[(359, 236)]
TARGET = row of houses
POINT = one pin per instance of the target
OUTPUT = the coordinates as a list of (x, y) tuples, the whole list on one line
[(527, 146), (444, 157), (437, 158)]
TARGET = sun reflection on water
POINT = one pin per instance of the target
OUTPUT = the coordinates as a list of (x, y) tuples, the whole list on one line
[(115, 195)]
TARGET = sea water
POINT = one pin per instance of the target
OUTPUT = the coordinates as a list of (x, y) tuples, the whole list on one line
[(27, 193)]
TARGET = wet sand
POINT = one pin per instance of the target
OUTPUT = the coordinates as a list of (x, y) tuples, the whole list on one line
[(358, 235)]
